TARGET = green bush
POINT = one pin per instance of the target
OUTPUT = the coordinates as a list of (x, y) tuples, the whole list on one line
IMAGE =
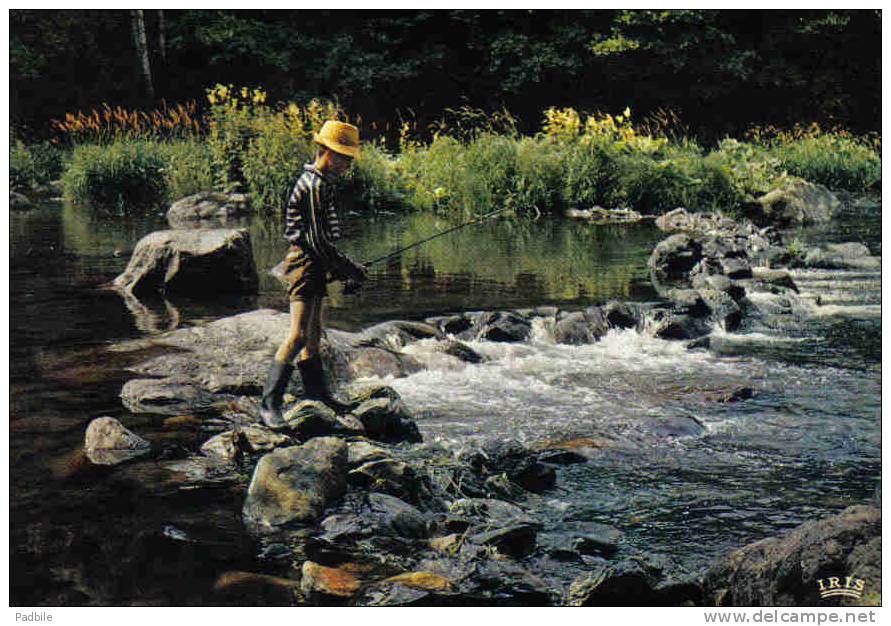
[(189, 168), (375, 181), (273, 160), (136, 174), (836, 160), (30, 166)]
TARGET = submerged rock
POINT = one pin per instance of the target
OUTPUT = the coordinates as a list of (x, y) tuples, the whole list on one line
[(192, 262), (294, 485), (108, 442), (787, 570)]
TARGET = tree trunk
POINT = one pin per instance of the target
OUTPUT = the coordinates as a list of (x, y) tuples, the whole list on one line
[(162, 36), (137, 21)]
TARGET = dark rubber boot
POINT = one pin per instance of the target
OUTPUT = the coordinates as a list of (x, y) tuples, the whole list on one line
[(314, 386), (273, 395)]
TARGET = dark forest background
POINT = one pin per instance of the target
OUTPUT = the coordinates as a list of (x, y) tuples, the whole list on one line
[(719, 70)]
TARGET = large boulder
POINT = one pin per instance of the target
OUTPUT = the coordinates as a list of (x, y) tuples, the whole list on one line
[(192, 262), (795, 202), (208, 206), (294, 485), (792, 569), (673, 259), (108, 442)]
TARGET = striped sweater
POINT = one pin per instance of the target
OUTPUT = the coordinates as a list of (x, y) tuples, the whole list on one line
[(311, 219)]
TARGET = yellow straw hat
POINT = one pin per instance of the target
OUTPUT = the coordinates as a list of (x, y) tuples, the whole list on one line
[(341, 137)]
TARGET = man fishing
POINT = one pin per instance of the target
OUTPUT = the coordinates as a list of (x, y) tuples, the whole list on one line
[(311, 228)]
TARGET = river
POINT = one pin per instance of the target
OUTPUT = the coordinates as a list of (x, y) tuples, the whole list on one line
[(806, 444)]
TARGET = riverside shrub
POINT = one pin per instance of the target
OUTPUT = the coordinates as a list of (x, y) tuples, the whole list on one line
[(126, 175), (30, 166)]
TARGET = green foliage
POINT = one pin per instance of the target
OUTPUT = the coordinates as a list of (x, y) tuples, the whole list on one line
[(189, 168), (836, 160), (122, 175), (30, 166), (375, 181), (128, 175)]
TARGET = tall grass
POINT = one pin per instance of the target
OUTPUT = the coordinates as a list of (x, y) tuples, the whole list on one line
[(134, 174), (467, 162)]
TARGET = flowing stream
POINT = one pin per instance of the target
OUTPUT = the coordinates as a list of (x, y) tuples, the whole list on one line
[(679, 473)]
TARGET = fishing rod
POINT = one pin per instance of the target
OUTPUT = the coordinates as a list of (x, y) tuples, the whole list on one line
[(433, 236), (352, 288)]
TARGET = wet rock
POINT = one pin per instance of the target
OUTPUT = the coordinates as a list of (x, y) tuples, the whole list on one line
[(734, 395), (108, 442), (775, 279), (362, 362), (601, 215), (387, 419), (682, 221), (561, 457), (359, 452), (734, 267), (424, 581), (19, 201), (449, 543), (167, 397), (341, 582), (459, 350), (785, 570), (796, 202), (396, 334), (489, 513), (588, 538), (673, 426), (394, 515), (629, 583), (375, 515), (192, 262), (253, 439), (312, 418), (208, 205), (621, 315), (295, 484), (849, 255), (503, 326), (518, 463), (389, 476), (682, 327), (503, 582), (516, 541), (722, 308), (452, 324), (581, 327), (673, 259), (249, 588)]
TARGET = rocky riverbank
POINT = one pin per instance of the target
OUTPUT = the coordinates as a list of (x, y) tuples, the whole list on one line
[(355, 508)]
